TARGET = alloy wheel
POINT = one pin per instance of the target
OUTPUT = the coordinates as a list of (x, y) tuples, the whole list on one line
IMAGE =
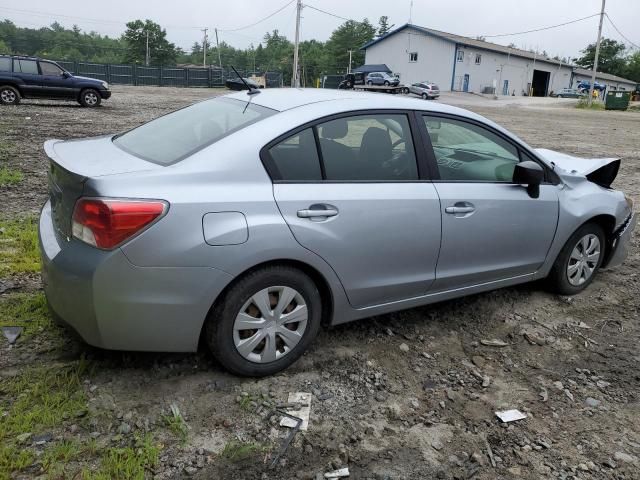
[(90, 98), (8, 96), (270, 324), (583, 260)]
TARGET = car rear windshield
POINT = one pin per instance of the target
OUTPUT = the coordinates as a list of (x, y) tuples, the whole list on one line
[(173, 137)]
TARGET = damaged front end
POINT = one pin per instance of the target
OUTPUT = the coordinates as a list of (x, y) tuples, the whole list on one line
[(601, 171)]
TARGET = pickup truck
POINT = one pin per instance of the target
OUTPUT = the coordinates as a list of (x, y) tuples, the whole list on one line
[(29, 77)]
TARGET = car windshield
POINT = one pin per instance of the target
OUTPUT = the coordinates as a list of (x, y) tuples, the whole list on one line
[(174, 137)]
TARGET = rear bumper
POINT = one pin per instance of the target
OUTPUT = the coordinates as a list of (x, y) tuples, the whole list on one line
[(116, 305), (620, 245)]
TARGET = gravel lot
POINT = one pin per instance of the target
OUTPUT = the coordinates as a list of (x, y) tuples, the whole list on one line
[(410, 395)]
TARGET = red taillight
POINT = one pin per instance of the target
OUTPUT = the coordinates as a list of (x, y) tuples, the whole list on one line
[(106, 223)]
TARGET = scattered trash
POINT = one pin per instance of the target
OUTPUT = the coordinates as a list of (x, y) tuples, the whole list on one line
[(511, 415), (568, 394), (12, 333), (494, 343), (544, 395), (301, 408), (583, 325), (340, 473), (296, 424), (490, 453)]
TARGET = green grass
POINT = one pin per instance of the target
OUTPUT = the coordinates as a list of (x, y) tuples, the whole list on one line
[(26, 310), (125, 463), (19, 246), (235, 450), (39, 400), (9, 176), (176, 423), (595, 105)]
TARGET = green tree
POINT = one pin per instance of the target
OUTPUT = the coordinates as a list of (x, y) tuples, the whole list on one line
[(632, 71), (161, 51), (383, 25), (351, 35), (610, 60), (4, 48)]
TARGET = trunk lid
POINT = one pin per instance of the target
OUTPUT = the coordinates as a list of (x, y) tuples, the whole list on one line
[(601, 171), (72, 163)]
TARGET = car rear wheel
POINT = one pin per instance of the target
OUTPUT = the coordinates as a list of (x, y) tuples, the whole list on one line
[(369, 82), (579, 260), (265, 321), (386, 83), (90, 98), (9, 95), (425, 96)]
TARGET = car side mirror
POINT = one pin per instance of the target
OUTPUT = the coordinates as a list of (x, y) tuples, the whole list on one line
[(531, 174), (66, 74)]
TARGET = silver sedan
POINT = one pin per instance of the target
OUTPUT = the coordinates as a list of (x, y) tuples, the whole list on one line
[(250, 220)]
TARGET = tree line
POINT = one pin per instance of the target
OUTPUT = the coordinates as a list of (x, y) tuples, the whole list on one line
[(274, 53)]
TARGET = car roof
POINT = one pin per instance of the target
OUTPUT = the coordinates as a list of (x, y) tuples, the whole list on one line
[(282, 99)]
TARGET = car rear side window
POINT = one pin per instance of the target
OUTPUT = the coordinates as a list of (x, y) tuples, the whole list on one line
[(296, 158), (5, 64), (50, 69), (377, 147), (174, 137), (27, 66)]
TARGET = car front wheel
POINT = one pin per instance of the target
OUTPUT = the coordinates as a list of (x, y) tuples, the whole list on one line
[(265, 321), (9, 95), (90, 98), (579, 260)]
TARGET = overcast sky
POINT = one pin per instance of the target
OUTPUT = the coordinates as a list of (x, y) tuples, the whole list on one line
[(183, 19)]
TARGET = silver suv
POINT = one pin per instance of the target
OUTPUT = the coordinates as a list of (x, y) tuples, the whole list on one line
[(382, 78), (426, 90)]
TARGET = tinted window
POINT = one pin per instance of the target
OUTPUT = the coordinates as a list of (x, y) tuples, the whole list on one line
[(177, 135), (27, 66), (368, 147), (50, 69), (296, 158), (5, 64), (467, 152)]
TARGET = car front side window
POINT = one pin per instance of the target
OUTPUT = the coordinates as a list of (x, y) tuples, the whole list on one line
[(468, 152), (50, 69)]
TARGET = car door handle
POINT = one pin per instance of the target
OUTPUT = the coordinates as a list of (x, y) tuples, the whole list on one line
[(454, 209), (308, 213)]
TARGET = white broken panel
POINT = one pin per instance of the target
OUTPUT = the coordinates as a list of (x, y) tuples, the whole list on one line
[(341, 473), (302, 410), (511, 415)]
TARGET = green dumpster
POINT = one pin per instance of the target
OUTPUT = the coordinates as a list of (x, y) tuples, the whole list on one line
[(617, 100)]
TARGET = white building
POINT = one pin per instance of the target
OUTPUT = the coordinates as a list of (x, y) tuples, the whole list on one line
[(465, 64)]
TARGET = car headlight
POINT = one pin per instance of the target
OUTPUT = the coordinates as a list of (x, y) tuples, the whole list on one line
[(105, 85)]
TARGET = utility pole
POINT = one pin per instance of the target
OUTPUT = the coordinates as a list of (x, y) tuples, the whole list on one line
[(204, 48), (349, 68), (296, 77), (147, 56), (218, 48), (595, 59)]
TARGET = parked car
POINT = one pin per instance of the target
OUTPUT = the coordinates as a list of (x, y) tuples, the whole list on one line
[(568, 93), (250, 221), (584, 86), (382, 78), (350, 80), (238, 84), (426, 90), (29, 77)]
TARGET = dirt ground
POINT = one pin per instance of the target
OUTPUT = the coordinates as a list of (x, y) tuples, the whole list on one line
[(410, 395)]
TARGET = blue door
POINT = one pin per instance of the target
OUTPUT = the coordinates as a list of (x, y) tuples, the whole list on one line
[(505, 87), (465, 83)]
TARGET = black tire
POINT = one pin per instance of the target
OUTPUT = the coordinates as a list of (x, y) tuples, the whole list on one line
[(425, 96), (386, 83), (219, 325), (558, 278), (9, 95), (369, 82), (89, 98)]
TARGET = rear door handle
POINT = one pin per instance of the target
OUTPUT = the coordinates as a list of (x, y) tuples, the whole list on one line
[(457, 209), (308, 213)]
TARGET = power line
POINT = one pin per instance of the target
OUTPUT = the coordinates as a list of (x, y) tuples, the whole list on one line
[(259, 21), (617, 30), (327, 13), (542, 28)]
